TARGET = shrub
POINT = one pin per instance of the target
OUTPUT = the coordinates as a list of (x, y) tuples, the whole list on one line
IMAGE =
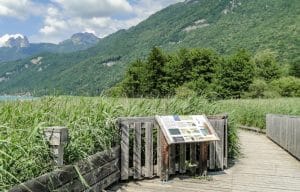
[(287, 86), (184, 92)]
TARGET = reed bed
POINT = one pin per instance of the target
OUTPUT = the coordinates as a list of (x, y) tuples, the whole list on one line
[(24, 154), (252, 112)]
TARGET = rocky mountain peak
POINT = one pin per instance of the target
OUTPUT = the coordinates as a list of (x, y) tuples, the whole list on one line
[(84, 38), (18, 42)]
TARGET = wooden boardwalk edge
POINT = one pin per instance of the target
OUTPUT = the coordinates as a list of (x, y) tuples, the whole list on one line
[(254, 129), (263, 166)]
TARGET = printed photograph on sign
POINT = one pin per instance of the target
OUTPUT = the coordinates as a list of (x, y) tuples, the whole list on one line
[(187, 129)]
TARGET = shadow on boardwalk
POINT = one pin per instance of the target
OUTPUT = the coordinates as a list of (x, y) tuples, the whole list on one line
[(263, 166)]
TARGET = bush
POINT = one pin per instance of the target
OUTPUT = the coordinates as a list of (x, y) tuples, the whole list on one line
[(287, 86), (267, 68), (116, 91), (257, 89), (261, 89), (184, 92)]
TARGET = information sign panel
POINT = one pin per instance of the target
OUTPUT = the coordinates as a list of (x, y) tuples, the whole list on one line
[(186, 129)]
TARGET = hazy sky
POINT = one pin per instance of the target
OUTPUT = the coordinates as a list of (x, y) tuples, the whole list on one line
[(56, 20)]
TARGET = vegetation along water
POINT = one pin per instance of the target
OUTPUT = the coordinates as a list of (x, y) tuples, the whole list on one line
[(25, 154)]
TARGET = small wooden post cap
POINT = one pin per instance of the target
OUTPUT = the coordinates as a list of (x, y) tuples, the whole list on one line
[(56, 135)]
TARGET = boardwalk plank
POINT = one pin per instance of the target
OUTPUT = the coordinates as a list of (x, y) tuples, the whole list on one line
[(256, 170)]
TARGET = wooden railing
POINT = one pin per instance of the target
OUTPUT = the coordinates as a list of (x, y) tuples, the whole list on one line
[(138, 156), (94, 173), (285, 131)]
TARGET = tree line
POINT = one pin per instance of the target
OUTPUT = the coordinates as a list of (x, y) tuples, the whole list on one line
[(194, 72)]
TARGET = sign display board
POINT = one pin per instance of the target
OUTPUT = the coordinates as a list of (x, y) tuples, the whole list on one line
[(186, 129)]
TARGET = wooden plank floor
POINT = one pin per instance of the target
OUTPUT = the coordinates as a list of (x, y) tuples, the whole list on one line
[(263, 166)]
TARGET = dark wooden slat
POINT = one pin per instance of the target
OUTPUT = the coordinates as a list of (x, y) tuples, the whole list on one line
[(223, 116), (84, 182), (172, 163), (212, 145), (164, 176), (131, 171), (182, 152), (203, 158), (130, 120), (114, 177), (193, 156), (226, 142), (159, 161), (212, 155), (149, 150), (137, 151), (124, 151), (220, 144), (58, 178)]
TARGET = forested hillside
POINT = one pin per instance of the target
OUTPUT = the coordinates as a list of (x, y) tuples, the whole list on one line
[(222, 25)]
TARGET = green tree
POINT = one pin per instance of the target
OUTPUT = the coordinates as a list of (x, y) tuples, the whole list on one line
[(195, 68), (266, 66), (134, 82), (235, 75), (204, 64), (287, 86), (261, 89), (155, 74)]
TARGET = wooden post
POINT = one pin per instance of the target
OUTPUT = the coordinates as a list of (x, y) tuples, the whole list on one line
[(159, 159), (57, 138), (203, 158), (164, 176), (149, 150), (137, 151), (182, 163), (124, 151), (193, 158), (172, 159)]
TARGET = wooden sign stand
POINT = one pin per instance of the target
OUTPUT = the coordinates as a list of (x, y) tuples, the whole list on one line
[(166, 154), (186, 131)]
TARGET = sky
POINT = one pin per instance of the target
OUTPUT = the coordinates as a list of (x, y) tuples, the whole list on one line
[(56, 20)]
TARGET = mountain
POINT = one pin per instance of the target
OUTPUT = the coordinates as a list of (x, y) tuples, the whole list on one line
[(223, 25), (19, 47), (18, 42)]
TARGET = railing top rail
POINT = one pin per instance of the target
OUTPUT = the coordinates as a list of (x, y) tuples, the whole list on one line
[(281, 115)]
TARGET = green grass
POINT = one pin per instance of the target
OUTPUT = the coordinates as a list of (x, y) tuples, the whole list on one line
[(252, 112), (24, 154)]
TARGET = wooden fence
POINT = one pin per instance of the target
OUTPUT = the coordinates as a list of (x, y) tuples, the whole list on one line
[(92, 174), (285, 131), (138, 156), (141, 147)]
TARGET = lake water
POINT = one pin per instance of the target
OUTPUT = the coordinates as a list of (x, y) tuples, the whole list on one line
[(15, 98)]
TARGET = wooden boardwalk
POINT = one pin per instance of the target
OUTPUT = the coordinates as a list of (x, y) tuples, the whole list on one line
[(263, 167)]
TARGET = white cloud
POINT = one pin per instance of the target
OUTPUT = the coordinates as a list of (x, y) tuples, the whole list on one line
[(5, 37), (20, 9), (103, 17), (94, 8)]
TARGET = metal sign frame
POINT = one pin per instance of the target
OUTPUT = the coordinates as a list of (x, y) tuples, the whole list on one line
[(186, 129)]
